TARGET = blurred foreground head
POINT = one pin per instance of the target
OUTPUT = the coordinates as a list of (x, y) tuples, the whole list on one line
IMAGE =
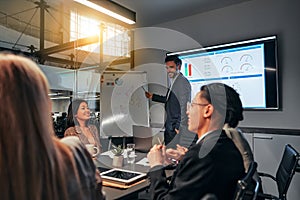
[(29, 161), (24, 100)]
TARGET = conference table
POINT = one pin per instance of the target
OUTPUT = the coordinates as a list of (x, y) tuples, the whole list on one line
[(104, 161)]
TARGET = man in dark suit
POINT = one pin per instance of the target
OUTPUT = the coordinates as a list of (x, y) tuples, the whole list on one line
[(214, 164), (178, 94)]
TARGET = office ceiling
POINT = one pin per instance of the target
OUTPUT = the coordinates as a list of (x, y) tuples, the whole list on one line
[(152, 12), (148, 13)]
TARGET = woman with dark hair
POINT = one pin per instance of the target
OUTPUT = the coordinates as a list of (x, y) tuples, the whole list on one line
[(78, 124), (34, 164), (214, 164)]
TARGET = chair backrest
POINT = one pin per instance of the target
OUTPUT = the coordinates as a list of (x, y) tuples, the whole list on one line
[(286, 170), (245, 186)]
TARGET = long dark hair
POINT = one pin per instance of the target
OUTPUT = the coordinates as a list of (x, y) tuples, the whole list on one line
[(72, 111), (32, 167)]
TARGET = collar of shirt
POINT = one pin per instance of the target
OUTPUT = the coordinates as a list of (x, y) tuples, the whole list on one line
[(172, 80), (79, 130), (204, 135)]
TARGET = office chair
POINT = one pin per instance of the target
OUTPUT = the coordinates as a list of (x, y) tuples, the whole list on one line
[(247, 188), (285, 172)]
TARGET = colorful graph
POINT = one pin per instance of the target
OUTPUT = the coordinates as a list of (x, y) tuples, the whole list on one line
[(188, 69)]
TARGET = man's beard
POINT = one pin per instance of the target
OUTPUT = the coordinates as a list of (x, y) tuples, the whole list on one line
[(172, 74)]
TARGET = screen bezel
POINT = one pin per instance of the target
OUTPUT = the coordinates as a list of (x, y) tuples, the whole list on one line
[(104, 175), (270, 66)]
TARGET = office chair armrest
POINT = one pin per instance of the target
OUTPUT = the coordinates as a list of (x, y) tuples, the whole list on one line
[(264, 195), (266, 175), (267, 196)]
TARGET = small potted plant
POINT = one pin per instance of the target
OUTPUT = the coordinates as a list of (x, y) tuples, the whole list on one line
[(118, 156)]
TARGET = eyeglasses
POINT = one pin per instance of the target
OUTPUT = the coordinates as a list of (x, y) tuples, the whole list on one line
[(170, 67), (189, 105)]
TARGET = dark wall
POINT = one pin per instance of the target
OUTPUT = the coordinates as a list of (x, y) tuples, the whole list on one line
[(257, 18)]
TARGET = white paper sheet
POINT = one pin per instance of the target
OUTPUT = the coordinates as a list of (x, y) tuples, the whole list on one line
[(143, 162)]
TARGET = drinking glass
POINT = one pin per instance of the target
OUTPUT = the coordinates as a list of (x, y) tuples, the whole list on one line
[(130, 149)]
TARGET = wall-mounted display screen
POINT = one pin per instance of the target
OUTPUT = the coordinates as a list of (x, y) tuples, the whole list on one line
[(248, 66)]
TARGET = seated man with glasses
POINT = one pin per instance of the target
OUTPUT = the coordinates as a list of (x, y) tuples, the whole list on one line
[(214, 164)]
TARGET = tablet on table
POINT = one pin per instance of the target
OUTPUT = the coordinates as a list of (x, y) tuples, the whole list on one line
[(122, 178)]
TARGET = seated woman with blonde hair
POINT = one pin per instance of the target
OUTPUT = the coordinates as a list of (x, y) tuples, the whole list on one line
[(34, 164)]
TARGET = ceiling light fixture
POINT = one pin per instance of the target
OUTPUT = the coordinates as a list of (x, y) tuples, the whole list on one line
[(111, 9), (56, 98)]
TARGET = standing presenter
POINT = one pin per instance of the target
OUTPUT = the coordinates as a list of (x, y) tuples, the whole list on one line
[(178, 94)]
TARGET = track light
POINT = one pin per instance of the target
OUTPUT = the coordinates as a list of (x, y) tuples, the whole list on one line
[(111, 9)]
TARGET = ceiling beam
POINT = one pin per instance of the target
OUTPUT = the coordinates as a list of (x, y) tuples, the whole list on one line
[(72, 64), (68, 45), (120, 61)]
